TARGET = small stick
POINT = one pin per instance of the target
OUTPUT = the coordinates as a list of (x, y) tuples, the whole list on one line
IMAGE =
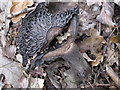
[(113, 75), (98, 85), (21, 12)]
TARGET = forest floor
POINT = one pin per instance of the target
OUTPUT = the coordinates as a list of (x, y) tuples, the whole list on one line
[(98, 42)]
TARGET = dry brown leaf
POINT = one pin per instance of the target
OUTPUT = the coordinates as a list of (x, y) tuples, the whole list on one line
[(19, 5), (86, 56), (94, 44), (95, 62), (95, 41), (116, 39), (106, 15), (98, 60)]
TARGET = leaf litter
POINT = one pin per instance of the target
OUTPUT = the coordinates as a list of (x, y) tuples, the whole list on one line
[(98, 43)]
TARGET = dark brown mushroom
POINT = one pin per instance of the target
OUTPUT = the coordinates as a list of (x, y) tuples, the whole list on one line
[(69, 52), (40, 26)]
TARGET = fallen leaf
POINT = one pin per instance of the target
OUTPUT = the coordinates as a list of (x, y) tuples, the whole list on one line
[(19, 58), (112, 56), (3, 4), (98, 60), (23, 81), (117, 2), (89, 2), (116, 39), (6, 10), (22, 4), (2, 18), (86, 21), (94, 42), (9, 51), (36, 83), (86, 57), (11, 70), (3, 39), (114, 76), (106, 15)]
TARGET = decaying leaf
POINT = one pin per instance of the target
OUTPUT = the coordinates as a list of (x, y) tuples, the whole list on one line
[(95, 41), (4, 23), (11, 70), (98, 60), (3, 39), (36, 83), (86, 21), (9, 51), (23, 81), (22, 4), (116, 39), (94, 44), (3, 4), (2, 19), (112, 56), (107, 13), (113, 75)]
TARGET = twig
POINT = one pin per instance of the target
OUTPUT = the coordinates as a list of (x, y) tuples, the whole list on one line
[(113, 75), (97, 85), (21, 12), (6, 64)]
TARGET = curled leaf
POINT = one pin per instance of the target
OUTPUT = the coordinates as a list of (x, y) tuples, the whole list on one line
[(98, 60)]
